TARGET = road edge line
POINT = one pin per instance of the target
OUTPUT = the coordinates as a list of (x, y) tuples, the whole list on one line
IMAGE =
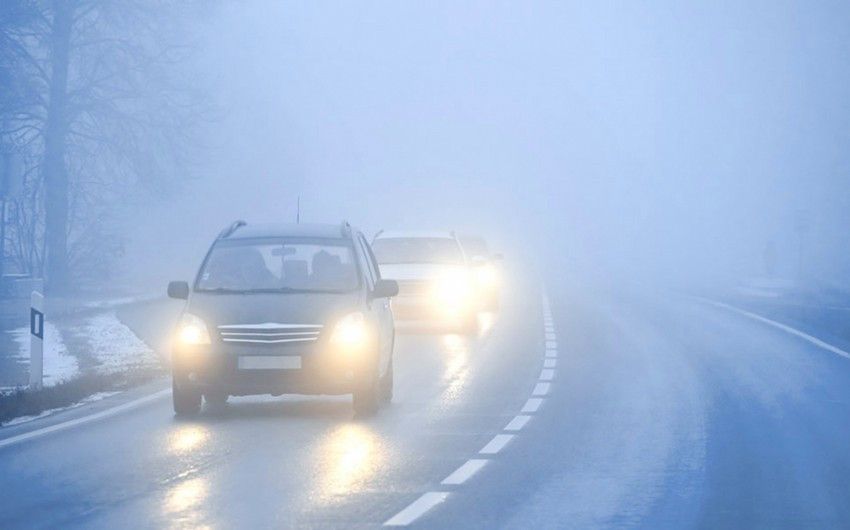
[(787, 329), (38, 433)]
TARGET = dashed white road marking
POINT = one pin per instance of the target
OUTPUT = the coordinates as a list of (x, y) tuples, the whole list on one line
[(496, 444), (431, 499), (517, 423), (532, 405), (12, 440), (464, 472), (787, 329), (417, 508), (541, 389)]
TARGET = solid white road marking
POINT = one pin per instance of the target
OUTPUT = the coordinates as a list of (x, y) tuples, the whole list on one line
[(517, 423), (547, 374), (551, 353), (541, 389), (464, 472), (417, 508), (551, 344), (550, 363), (550, 336), (532, 405), (787, 329), (85, 419), (496, 444)]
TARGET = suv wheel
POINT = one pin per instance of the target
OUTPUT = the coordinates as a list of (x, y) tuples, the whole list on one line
[(187, 402), (387, 384), (215, 398), (366, 398)]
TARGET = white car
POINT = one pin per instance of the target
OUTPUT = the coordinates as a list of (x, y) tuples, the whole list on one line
[(435, 278)]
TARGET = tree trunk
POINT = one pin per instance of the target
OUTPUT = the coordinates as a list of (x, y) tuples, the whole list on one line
[(55, 137)]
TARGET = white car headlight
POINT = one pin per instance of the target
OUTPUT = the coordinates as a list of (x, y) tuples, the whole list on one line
[(487, 275), (452, 290), (192, 330), (351, 331)]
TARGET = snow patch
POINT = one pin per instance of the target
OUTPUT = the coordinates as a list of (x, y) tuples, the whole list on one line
[(59, 364), (114, 345)]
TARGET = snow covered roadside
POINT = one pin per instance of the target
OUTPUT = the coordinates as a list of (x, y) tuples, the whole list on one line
[(87, 357), (103, 341), (59, 365), (114, 346)]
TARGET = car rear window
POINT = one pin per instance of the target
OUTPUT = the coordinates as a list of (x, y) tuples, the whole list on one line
[(400, 250)]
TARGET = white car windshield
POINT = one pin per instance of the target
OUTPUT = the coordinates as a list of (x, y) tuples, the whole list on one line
[(279, 265), (400, 250)]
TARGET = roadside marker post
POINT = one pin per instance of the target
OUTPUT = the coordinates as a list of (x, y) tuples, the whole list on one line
[(36, 340)]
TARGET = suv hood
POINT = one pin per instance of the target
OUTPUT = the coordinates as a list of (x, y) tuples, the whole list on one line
[(279, 308), (418, 271)]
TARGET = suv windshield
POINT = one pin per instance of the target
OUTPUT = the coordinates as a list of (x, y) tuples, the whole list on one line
[(279, 265), (398, 250)]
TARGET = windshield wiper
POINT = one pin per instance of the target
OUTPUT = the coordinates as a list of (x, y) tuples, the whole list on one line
[(220, 290)]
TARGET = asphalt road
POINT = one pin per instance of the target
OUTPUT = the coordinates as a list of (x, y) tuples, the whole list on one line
[(631, 409)]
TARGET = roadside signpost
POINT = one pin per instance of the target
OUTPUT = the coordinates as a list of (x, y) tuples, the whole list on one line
[(36, 340)]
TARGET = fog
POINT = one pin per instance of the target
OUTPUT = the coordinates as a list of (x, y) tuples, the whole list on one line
[(651, 140)]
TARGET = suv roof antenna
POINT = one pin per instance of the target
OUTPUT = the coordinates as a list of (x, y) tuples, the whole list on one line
[(298, 209)]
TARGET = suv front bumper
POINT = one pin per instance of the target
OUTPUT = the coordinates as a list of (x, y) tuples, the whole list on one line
[(322, 371)]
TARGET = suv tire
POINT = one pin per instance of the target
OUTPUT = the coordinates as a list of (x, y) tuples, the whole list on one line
[(215, 398), (366, 399), (387, 384), (186, 402)]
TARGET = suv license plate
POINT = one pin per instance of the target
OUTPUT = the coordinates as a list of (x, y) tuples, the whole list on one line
[(270, 362)]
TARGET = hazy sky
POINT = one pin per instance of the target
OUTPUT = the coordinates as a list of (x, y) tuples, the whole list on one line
[(648, 135)]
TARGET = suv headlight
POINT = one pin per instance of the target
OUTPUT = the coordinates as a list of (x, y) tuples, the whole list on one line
[(351, 331), (192, 330)]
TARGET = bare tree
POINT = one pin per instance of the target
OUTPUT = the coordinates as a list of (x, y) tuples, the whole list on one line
[(115, 109)]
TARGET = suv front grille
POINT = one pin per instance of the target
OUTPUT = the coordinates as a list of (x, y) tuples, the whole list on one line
[(270, 333)]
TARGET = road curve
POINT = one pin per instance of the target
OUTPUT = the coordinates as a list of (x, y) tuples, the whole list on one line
[(630, 409)]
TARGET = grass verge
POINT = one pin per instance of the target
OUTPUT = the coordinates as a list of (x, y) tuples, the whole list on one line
[(26, 402)]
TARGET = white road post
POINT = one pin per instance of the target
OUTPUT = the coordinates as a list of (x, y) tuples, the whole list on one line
[(36, 340)]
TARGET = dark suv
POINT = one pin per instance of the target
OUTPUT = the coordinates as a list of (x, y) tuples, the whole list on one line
[(290, 308)]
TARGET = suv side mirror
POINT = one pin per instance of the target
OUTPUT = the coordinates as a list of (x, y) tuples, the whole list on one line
[(178, 290), (385, 289)]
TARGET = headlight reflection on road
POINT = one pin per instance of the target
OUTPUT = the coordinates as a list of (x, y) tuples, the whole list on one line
[(183, 502), (187, 438), (456, 373), (485, 323), (350, 455)]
